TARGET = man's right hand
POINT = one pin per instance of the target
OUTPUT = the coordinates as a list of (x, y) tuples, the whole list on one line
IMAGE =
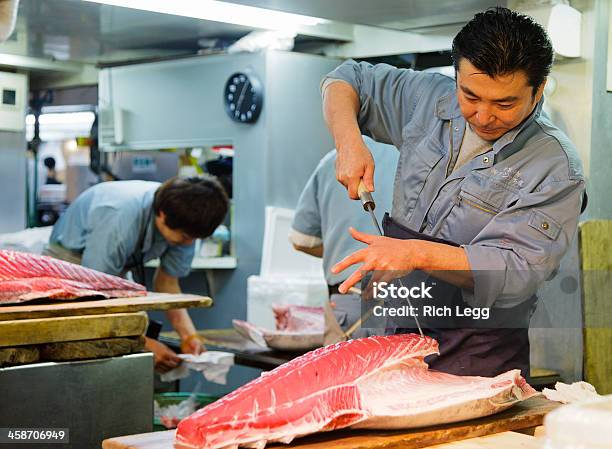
[(165, 358), (354, 163)]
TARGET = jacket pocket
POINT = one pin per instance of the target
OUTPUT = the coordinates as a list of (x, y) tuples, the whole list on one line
[(468, 199)]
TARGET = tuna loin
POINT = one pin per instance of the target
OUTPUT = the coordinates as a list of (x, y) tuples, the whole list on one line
[(377, 382), (24, 277)]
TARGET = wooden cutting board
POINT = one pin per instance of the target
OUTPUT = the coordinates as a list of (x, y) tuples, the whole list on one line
[(504, 440), (153, 301), (529, 413), (71, 328)]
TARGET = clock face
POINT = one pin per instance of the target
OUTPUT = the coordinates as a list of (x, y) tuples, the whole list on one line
[(243, 96)]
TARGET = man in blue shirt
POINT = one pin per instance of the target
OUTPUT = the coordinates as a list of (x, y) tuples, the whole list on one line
[(324, 214), (115, 227)]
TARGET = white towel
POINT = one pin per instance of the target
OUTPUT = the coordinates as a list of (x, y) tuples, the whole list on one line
[(214, 366)]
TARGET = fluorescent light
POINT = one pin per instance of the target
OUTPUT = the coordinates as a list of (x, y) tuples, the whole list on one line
[(61, 126), (217, 11)]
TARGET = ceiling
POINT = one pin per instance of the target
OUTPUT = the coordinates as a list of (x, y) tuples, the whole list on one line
[(396, 14), (73, 30)]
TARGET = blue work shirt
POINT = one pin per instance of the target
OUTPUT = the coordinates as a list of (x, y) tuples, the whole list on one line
[(112, 225), (325, 211), (514, 209)]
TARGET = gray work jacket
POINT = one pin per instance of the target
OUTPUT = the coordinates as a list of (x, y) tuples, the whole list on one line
[(514, 209)]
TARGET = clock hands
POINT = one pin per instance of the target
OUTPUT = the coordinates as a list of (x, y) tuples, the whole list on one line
[(241, 97)]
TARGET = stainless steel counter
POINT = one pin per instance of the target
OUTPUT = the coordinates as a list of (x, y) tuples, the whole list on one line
[(94, 399)]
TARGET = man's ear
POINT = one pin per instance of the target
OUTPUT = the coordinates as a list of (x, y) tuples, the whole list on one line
[(540, 90)]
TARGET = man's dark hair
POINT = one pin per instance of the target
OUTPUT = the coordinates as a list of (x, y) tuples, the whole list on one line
[(195, 206), (499, 41), (49, 163)]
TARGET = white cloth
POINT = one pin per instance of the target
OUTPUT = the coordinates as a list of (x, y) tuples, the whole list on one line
[(576, 392), (214, 366)]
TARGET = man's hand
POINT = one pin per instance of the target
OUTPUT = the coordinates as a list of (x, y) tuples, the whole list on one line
[(354, 161), (395, 257), (192, 344), (353, 164), (165, 358)]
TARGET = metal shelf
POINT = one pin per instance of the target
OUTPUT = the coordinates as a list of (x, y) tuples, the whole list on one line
[(205, 263)]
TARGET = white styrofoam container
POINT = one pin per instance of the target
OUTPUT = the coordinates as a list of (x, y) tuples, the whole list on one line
[(287, 276), (279, 258), (263, 292), (581, 425)]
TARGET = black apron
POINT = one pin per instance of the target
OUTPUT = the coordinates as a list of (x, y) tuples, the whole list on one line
[(135, 263), (470, 351)]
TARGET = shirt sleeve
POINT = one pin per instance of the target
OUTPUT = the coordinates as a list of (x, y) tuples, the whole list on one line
[(388, 96), (521, 247), (307, 219), (176, 260), (108, 243)]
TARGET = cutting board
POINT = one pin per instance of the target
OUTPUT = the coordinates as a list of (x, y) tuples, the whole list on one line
[(153, 301), (71, 328), (504, 440), (529, 413)]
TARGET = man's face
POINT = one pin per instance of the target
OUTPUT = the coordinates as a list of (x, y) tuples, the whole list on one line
[(174, 237), (494, 106)]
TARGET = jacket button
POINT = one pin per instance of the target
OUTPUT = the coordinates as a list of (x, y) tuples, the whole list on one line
[(545, 225), (485, 159)]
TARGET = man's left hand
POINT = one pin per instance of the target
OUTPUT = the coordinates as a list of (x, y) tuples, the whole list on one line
[(396, 257)]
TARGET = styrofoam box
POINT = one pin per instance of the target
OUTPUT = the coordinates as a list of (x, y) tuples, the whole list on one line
[(279, 258), (263, 292), (287, 276)]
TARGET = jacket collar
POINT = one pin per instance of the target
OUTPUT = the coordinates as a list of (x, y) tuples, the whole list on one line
[(447, 106)]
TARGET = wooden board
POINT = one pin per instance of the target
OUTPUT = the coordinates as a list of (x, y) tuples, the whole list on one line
[(596, 269), (505, 440), (529, 413), (153, 301), (91, 349), (18, 356), (72, 328)]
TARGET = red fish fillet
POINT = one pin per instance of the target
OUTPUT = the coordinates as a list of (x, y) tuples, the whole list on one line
[(378, 382), (24, 277)]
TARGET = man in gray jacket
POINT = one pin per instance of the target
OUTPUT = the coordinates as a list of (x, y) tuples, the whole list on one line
[(488, 191)]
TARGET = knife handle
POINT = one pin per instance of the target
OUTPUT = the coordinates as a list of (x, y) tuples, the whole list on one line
[(366, 197)]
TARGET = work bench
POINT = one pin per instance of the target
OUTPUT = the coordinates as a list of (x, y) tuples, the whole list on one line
[(491, 432), (79, 365)]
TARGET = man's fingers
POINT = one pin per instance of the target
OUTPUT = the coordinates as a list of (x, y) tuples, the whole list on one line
[(353, 187), (349, 260), (357, 276), (362, 236), (165, 365), (368, 177)]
